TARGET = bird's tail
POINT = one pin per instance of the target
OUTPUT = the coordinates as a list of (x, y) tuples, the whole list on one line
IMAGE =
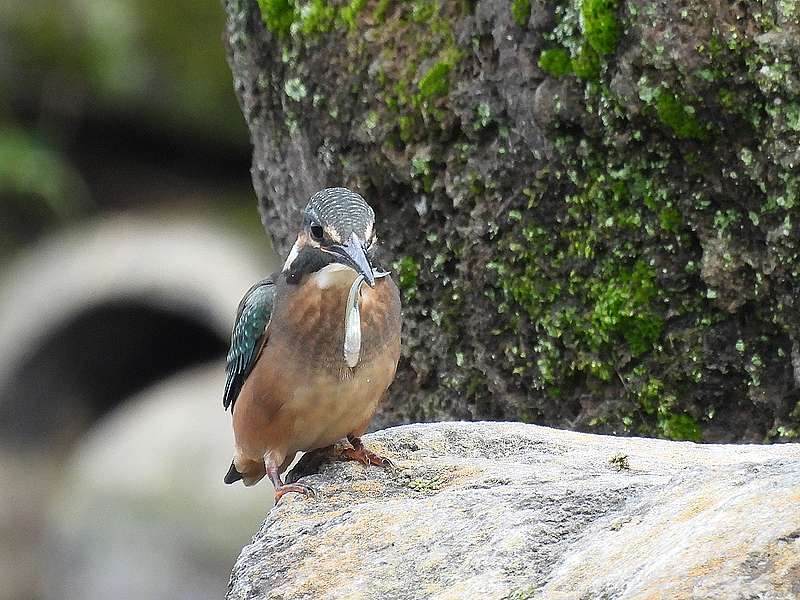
[(249, 471), (232, 476)]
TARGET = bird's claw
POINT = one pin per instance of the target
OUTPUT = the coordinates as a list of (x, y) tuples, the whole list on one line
[(366, 457), (299, 488)]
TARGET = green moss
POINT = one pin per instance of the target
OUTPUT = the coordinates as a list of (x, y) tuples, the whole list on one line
[(593, 314), (656, 402), (484, 115), (295, 89), (600, 24), (408, 92), (649, 396), (380, 10), (420, 166), (278, 15), (422, 11), (670, 219), (317, 17), (521, 11), (586, 64), (314, 18), (555, 61), (436, 81), (783, 433), (406, 125), (679, 117), (680, 427), (407, 269), (590, 292), (623, 307), (350, 12)]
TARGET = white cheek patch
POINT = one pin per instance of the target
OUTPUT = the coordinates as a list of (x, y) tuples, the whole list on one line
[(352, 325), (332, 234)]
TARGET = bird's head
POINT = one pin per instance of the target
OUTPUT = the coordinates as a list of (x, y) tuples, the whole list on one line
[(338, 228)]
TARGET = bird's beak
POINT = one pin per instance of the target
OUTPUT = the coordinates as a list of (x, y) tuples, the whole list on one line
[(352, 254)]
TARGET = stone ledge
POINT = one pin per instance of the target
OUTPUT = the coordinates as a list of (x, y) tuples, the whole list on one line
[(513, 511)]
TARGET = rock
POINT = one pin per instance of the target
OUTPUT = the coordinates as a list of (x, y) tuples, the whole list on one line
[(513, 511)]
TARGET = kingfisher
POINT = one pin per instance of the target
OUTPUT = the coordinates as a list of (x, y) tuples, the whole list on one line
[(314, 347)]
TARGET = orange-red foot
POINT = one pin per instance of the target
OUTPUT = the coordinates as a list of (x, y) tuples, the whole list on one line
[(284, 488), (307, 491), (360, 453)]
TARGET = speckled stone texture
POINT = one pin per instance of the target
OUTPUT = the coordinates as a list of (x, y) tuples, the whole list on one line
[(513, 511), (609, 246)]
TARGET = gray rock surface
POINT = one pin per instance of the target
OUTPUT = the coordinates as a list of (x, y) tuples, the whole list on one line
[(513, 511)]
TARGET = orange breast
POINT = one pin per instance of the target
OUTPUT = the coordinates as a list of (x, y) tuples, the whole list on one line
[(301, 394)]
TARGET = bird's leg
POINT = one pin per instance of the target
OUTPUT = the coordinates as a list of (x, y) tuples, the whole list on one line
[(360, 453), (310, 463), (283, 488)]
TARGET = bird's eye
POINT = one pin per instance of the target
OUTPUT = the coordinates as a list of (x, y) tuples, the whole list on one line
[(316, 232)]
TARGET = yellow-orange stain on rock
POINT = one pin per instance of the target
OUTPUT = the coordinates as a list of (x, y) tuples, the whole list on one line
[(707, 567), (698, 505), (785, 573), (369, 488)]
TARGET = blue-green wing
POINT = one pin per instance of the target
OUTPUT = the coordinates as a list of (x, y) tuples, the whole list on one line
[(252, 319)]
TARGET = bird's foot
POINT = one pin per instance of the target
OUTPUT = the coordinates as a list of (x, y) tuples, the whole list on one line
[(360, 453), (284, 488), (299, 488), (365, 457)]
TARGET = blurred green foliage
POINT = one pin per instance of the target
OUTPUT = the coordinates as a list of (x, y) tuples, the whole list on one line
[(38, 188), (29, 167), (151, 66), (161, 61)]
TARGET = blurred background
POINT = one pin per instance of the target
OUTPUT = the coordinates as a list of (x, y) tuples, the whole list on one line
[(129, 233)]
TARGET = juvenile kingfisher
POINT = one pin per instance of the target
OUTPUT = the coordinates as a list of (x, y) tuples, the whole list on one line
[(314, 347)]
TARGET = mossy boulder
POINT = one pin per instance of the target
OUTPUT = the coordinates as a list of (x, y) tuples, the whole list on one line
[(590, 205)]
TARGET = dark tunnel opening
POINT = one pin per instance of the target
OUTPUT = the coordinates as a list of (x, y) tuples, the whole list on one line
[(94, 362)]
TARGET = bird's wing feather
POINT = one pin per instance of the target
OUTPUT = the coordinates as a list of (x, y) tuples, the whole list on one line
[(248, 335)]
